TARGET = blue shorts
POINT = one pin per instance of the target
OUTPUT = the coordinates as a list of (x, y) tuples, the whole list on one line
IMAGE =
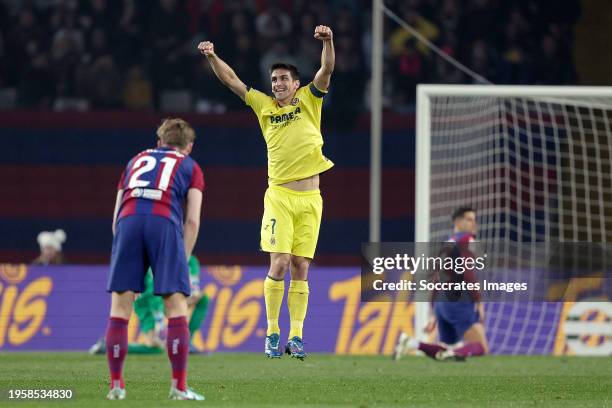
[(143, 241), (454, 318)]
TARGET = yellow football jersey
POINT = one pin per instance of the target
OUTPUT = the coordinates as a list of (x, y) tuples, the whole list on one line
[(292, 134)]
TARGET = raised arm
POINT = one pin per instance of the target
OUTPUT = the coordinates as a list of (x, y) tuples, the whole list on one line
[(328, 57), (224, 72)]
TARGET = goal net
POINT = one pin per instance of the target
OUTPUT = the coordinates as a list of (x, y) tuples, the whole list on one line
[(535, 162)]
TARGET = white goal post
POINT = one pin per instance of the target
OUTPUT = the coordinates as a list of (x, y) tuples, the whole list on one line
[(534, 161)]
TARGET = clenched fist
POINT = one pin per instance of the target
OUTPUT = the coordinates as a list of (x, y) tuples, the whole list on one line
[(323, 33), (207, 48)]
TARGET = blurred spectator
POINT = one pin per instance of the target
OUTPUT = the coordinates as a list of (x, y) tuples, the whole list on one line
[(514, 66), (67, 49), (480, 20), (25, 37), (547, 69), (480, 59), (278, 52), (400, 36), (354, 7), (103, 83), (95, 76), (127, 43), (97, 14), (50, 248), (273, 24), (210, 96), (349, 80), (216, 18), (408, 72), (5, 74), (138, 91), (242, 61), (239, 26), (168, 39), (306, 24), (98, 45), (108, 54), (445, 73), (309, 58), (4, 19), (67, 40), (344, 24), (36, 86), (449, 16), (321, 9)]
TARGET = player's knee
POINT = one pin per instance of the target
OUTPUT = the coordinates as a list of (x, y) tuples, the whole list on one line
[(122, 304), (122, 312), (299, 268), (175, 305), (279, 266), (176, 311), (476, 334)]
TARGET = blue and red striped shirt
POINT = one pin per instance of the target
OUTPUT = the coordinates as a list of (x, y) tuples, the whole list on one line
[(458, 245), (156, 182)]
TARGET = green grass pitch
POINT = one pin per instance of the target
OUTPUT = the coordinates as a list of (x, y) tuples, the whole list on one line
[(322, 380)]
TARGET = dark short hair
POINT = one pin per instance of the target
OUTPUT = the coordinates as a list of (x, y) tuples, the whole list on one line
[(460, 212), (295, 74)]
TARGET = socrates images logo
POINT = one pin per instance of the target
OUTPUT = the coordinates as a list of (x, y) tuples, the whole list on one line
[(588, 329)]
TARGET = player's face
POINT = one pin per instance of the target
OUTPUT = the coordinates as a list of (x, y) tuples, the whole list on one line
[(467, 223), (48, 253), (283, 84)]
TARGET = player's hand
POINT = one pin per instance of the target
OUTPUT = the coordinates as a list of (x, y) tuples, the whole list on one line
[(431, 325), (207, 48), (196, 295), (323, 33)]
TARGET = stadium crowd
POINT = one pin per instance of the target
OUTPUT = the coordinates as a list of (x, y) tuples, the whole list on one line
[(125, 54)]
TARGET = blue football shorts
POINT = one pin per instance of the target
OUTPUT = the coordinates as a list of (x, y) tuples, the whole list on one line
[(143, 241)]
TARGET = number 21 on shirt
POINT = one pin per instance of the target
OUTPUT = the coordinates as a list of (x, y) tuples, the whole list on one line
[(146, 164)]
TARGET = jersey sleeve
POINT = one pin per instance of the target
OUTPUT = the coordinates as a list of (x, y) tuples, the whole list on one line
[(256, 100), (197, 178), (125, 174), (313, 96), (316, 92)]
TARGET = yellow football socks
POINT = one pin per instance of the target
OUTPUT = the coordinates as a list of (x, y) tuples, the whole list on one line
[(297, 300), (273, 294)]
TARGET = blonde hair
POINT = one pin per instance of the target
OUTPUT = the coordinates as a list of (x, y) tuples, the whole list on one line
[(175, 132)]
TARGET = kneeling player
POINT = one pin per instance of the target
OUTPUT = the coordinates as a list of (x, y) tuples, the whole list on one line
[(460, 322), (150, 230)]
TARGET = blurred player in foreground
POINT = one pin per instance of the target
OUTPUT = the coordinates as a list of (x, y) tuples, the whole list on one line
[(150, 312), (150, 230), (291, 126), (459, 321), (197, 302), (149, 307)]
